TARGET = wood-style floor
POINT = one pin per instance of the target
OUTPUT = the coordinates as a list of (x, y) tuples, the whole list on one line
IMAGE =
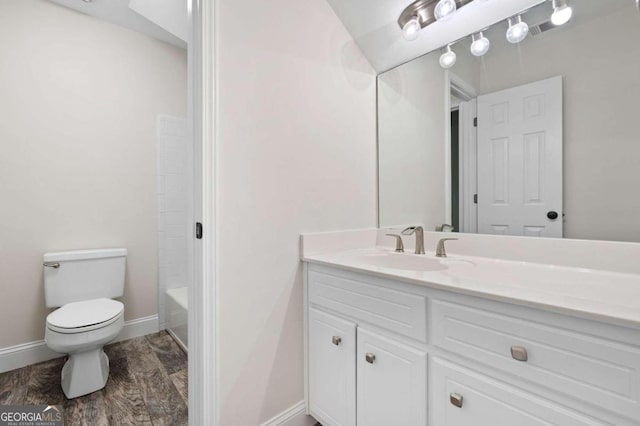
[(147, 386)]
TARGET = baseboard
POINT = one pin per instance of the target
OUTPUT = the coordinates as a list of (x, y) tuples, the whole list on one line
[(293, 416), (34, 352)]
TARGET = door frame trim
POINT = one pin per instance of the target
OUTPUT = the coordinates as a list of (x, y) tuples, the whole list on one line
[(203, 324)]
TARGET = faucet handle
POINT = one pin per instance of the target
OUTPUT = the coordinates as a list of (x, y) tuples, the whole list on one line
[(399, 245), (440, 250), (444, 227)]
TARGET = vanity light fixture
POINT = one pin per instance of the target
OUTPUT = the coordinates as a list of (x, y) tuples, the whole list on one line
[(448, 57), (411, 29), (444, 8), (422, 13), (561, 12), (518, 29), (480, 44)]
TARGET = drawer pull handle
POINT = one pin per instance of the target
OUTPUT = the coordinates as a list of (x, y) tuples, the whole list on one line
[(370, 358), (456, 399), (336, 340), (519, 353)]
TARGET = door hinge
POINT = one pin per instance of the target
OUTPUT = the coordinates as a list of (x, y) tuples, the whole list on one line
[(198, 230), (475, 198), (475, 121)]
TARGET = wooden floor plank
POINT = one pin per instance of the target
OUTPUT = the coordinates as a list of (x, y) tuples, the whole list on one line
[(147, 385), (123, 401), (167, 351), (180, 381), (163, 401)]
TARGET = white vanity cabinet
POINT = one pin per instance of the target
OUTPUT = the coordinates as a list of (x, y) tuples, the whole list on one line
[(391, 377), (382, 351), (391, 382), (332, 368)]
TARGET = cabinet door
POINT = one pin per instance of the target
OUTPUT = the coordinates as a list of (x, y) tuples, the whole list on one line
[(332, 369), (392, 382), (461, 397)]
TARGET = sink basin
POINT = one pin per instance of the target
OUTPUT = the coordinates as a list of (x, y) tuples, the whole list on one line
[(402, 261)]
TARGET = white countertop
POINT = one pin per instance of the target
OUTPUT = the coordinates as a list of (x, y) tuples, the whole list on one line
[(600, 295)]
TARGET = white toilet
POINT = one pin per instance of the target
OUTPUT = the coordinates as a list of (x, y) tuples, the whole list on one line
[(82, 285)]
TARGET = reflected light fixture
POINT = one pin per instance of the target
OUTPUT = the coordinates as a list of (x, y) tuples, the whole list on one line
[(518, 29), (411, 30), (444, 8), (561, 12), (480, 44), (422, 13), (448, 57)]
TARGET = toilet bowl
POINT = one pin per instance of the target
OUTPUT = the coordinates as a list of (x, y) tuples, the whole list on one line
[(82, 285), (81, 329)]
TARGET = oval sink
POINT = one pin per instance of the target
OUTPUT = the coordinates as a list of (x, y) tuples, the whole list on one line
[(403, 261)]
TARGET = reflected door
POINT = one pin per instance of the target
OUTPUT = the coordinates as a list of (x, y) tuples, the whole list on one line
[(520, 160)]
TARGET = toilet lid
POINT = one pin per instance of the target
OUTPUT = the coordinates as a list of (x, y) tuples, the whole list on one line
[(85, 314)]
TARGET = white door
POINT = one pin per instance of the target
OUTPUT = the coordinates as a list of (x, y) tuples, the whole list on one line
[(332, 369), (520, 160), (392, 382)]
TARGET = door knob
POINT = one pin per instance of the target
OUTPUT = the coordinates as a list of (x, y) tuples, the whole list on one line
[(552, 215), (456, 399), (370, 358), (336, 340)]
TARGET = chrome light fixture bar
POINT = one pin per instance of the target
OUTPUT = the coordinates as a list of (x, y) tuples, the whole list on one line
[(422, 13)]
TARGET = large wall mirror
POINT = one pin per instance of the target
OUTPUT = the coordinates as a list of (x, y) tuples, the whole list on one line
[(535, 138)]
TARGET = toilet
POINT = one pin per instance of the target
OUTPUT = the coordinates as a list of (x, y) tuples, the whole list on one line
[(81, 285)]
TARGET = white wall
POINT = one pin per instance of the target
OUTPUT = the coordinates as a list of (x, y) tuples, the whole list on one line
[(78, 107), (411, 108), (296, 152)]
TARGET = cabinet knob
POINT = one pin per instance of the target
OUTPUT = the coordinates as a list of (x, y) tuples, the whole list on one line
[(336, 340), (370, 358), (519, 353), (456, 399)]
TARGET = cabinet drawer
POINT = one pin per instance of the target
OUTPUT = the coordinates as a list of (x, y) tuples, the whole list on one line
[(464, 398), (581, 366), (396, 311)]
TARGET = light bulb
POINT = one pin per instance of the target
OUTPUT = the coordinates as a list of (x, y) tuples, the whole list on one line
[(448, 57), (411, 29), (561, 12), (444, 8), (518, 30), (480, 44)]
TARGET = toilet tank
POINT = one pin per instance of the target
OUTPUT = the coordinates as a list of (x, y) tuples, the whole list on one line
[(74, 276)]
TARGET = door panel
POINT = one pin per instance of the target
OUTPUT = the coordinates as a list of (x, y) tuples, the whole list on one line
[(520, 160), (332, 369), (392, 381)]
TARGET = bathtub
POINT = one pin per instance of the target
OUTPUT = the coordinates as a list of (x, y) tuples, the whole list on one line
[(177, 308)]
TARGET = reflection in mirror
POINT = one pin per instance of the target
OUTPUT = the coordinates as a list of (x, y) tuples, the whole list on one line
[(534, 138)]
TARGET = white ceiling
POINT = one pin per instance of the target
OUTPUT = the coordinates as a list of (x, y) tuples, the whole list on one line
[(118, 12), (373, 25)]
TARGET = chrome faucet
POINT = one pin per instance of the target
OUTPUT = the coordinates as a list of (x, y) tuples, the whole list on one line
[(440, 251), (419, 231)]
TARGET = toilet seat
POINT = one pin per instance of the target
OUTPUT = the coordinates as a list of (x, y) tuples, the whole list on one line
[(88, 315)]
